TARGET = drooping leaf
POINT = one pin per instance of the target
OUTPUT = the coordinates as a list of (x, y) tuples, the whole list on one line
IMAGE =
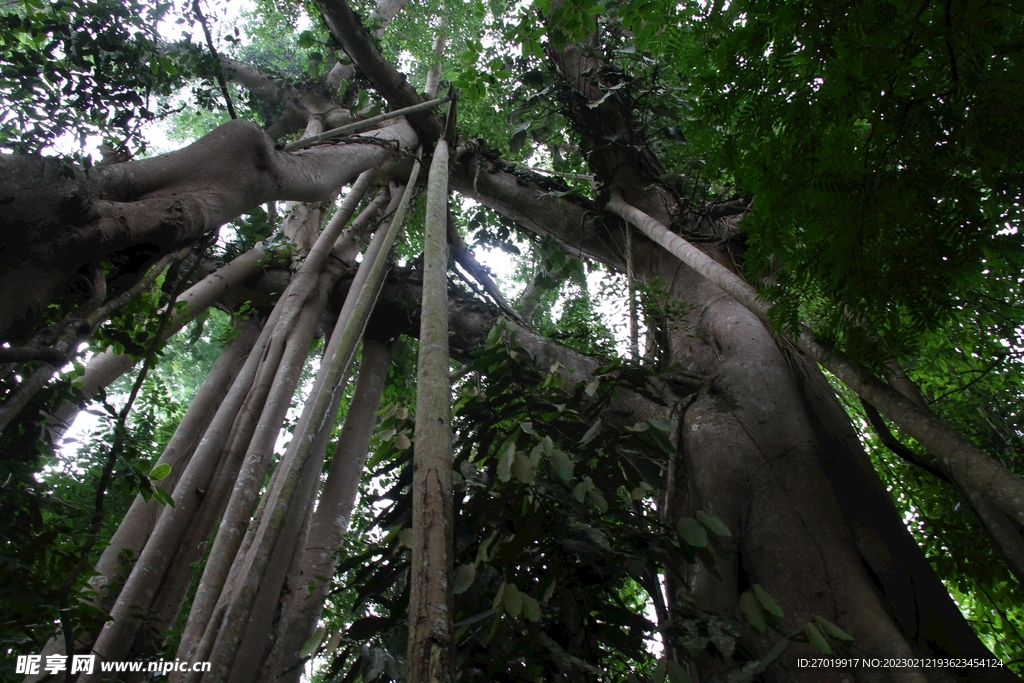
[(692, 532)]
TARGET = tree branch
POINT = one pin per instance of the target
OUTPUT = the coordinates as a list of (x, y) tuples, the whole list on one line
[(216, 60), (392, 85)]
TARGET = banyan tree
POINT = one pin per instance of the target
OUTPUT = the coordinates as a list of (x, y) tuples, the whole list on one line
[(801, 438)]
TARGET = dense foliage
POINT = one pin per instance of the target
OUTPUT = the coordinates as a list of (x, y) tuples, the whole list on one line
[(876, 141)]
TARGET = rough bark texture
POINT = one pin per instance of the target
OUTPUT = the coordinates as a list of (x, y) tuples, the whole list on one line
[(430, 658), (154, 206)]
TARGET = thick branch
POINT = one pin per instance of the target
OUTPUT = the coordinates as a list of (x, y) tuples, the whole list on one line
[(392, 85), (1007, 540), (972, 469)]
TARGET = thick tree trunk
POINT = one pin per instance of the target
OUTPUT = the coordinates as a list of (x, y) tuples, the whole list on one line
[(303, 605), (430, 658)]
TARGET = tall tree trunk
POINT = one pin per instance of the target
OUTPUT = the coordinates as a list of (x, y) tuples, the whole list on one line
[(278, 382), (303, 605), (290, 484), (430, 654), (132, 533)]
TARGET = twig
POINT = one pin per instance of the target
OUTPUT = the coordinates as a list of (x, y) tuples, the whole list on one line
[(216, 59), (999, 359), (365, 123), (894, 445)]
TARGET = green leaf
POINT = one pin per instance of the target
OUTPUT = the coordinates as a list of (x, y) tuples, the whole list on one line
[(562, 464), (527, 428), (753, 611), (512, 599), (579, 492), (592, 433), (531, 608), (767, 602), (599, 501), (162, 496), (713, 523), (313, 643), (498, 596), (691, 531), (523, 468), (592, 387), (463, 578), (160, 471), (402, 442), (832, 630), (505, 463), (549, 591), (815, 638)]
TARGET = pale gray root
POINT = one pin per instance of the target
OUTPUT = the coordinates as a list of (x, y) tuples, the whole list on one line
[(302, 607), (534, 292), (146, 576), (434, 75), (287, 486), (350, 244), (302, 220), (133, 531), (969, 466), (105, 367), (301, 308), (634, 323), (430, 655), (237, 517), (257, 639), (249, 662)]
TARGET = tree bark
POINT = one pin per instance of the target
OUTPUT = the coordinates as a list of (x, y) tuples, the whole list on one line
[(163, 203), (430, 657), (289, 477), (330, 523), (970, 467)]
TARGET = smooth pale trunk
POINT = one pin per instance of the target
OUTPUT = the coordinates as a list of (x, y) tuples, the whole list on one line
[(430, 657), (289, 475), (139, 590), (304, 604), (132, 533), (278, 382), (134, 530)]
